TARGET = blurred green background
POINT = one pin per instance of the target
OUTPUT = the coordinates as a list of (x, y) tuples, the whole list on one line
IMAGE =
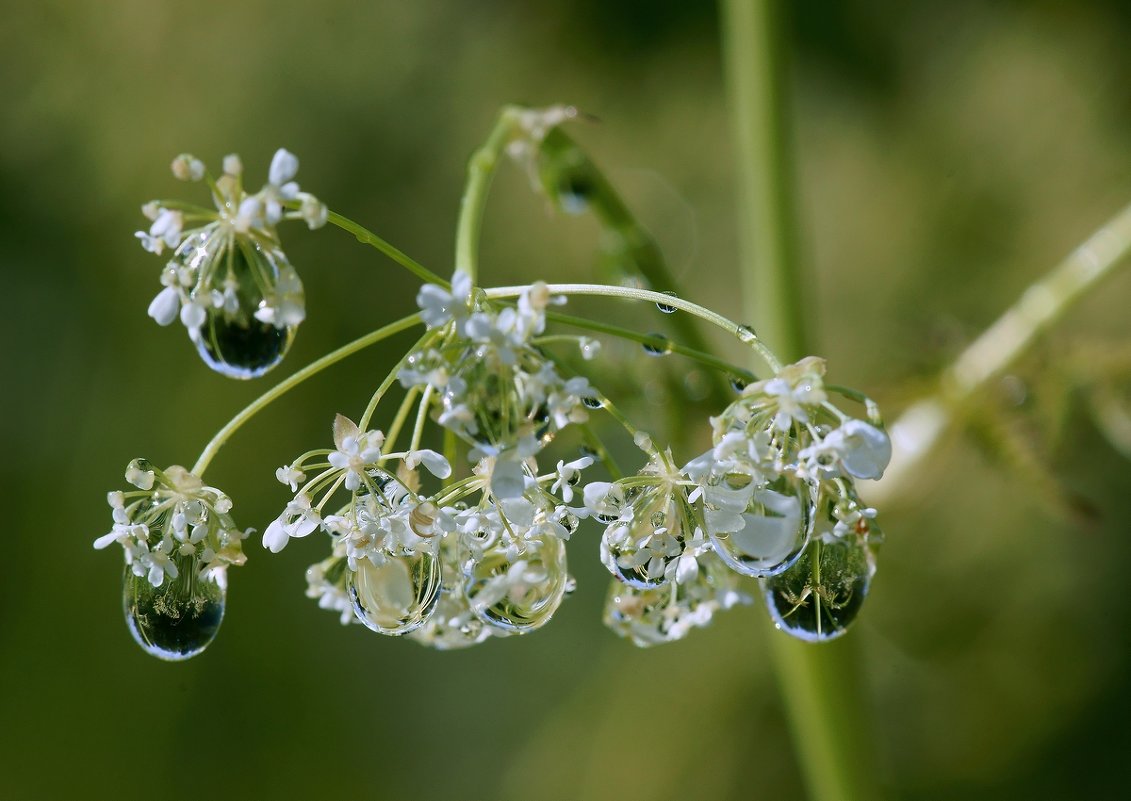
[(949, 153)]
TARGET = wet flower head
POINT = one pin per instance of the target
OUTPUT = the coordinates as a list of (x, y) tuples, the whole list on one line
[(228, 280)]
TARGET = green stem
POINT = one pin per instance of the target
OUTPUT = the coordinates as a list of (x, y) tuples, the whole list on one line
[(654, 340), (742, 333), (285, 386), (821, 684), (367, 237), (480, 172)]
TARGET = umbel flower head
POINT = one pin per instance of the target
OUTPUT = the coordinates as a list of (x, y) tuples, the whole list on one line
[(228, 280), (179, 540)]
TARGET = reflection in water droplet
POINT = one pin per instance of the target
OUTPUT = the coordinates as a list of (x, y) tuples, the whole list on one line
[(759, 531), (737, 384), (519, 595), (639, 552), (746, 333), (666, 614), (665, 308), (593, 403), (659, 346), (573, 193), (398, 596), (452, 625), (819, 597), (177, 620), (232, 340)]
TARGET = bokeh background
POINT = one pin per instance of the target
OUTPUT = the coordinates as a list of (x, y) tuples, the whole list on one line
[(948, 154)]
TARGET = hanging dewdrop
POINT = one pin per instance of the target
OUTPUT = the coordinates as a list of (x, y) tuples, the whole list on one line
[(228, 279)]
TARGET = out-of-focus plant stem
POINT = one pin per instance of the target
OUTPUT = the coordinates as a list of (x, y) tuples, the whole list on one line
[(820, 684)]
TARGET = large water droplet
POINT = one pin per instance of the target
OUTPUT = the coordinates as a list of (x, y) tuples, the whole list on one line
[(659, 345), (521, 594), (398, 596), (452, 625), (573, 193), (177, 620), (665, 308), (819, 597), (232, 340), (759, 531)]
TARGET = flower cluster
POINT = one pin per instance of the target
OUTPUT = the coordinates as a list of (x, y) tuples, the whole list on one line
[(172, 523), (484, 555), (228, 280), (774, 498)]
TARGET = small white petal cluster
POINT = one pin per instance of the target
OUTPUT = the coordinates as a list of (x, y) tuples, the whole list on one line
[(172, 522), (230, 264)]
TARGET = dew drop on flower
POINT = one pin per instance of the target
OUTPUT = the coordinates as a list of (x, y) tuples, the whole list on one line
[(233, 341), (592, 403), (737, 384), (519, 594), (398, 596), (177, 620), (819, 597), (759, 532), (659, 346)]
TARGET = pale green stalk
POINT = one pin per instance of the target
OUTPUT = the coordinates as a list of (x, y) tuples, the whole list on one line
[(480, 172), (820, 684), (285, 386), (920, 428)]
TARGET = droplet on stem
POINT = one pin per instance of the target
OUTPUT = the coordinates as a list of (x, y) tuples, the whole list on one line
[(665, 308), (761, 531), (659, 345)]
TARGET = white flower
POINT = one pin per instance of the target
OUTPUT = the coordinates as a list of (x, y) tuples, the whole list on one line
[(284, 167), (287, 304), (568, 474), (187, 167), (438, 306), (165, 306), (194, 313), (290, 475), (864, 450), (355, 451), (297, 520), (313, 211), (437, 465), (142, 479), (232, 165)]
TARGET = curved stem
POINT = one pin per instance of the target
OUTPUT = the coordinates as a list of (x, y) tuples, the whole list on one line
[(742, 333), (480, 172), (367, 237), (371, 407), (285, 386), (703, 358)]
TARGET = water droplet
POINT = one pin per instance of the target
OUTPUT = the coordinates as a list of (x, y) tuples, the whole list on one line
[(666, 614), (659, 346), (737, 384), (759, 531), (746, 333), (519, 595), (636, 554), (232, 341), (593, 403), (665, 308), (177, 620), (398, 596), (573, 193), (585, 450), (819, 597), (452, 626)]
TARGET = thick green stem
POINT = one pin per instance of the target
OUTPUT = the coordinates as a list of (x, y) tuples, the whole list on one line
[(480, 172), (820, 684)]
